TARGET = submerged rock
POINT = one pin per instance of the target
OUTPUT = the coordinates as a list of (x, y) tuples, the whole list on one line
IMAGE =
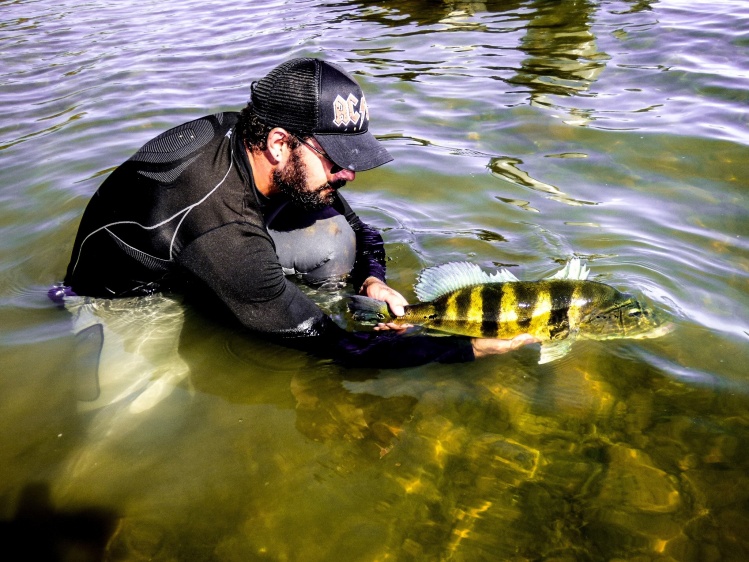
[(633, 483)]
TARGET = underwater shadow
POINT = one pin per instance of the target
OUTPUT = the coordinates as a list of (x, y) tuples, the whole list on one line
[(250, 370), (39, 531)]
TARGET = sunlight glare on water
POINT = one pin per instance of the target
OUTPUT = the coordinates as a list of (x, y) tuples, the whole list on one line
[(525, 132)]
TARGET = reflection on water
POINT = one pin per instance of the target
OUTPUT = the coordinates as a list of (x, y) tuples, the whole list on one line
[(507, 168), (524, 132), (428, 12), (563, 57)]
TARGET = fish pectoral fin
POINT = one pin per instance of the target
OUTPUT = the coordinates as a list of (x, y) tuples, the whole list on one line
[(551, 351)]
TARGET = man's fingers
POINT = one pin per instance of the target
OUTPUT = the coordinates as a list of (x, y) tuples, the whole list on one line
[(380, 291), (489, 346), (394, 327), (521, 340), (397, 309)]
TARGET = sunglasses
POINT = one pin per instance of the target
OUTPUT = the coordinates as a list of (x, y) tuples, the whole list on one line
[(334, 169)]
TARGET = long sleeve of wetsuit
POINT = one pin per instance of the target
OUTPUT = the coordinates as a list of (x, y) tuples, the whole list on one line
[(370, 248), (237, 264), (382, 350)]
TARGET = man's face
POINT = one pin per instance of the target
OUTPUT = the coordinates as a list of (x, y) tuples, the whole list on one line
[(310, 180)]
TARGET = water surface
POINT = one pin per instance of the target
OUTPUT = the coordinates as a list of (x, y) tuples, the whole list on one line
[(525, 133)]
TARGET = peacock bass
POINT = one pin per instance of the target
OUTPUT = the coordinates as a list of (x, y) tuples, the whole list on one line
[(460, 298)]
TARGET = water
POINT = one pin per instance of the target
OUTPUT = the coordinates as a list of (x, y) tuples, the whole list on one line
[(524, 132)]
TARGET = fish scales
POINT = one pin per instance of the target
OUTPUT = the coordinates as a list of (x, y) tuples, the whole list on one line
[(579, 304), (541, 313)]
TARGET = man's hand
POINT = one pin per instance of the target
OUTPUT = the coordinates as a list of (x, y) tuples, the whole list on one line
[(489, 346), (376, 289)]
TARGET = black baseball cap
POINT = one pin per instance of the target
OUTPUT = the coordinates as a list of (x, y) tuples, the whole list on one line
[(308, 95)]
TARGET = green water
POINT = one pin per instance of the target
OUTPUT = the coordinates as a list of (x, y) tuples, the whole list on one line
[(525, 133)]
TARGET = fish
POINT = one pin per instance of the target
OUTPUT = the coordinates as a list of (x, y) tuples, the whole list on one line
[(460, 298)]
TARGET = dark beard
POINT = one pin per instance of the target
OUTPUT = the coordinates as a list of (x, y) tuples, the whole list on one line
[(292, 182)]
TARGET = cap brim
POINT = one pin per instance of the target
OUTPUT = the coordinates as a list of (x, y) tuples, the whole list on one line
[(354, 151)]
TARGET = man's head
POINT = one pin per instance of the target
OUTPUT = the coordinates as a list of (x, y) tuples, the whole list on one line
[(310, 121), (302, 183), (311, 98)]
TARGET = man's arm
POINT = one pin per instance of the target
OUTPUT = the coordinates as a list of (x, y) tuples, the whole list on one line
[(369, 271), (237, 265)]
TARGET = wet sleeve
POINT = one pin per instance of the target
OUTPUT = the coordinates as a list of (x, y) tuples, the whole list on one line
[(237, 265), (383, 350), (370, 249)]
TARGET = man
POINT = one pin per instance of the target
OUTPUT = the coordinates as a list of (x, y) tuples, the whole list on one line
[(223, 207)]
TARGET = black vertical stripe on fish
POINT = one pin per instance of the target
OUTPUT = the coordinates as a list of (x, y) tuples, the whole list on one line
[(561, 298), (526, 296), (491, 304), (441, 309), (463, 307)]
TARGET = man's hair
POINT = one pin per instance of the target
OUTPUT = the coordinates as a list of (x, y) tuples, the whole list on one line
[(255, 133)]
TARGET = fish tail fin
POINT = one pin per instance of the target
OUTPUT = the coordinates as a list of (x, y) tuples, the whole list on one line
[(365, 309)]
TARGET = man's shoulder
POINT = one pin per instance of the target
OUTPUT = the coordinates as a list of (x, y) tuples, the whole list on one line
[(222, 119), (187, 138)]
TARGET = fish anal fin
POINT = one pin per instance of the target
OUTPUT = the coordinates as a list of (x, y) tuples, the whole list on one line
[(553, 350)]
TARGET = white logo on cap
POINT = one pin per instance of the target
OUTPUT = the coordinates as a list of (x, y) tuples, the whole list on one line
[(345, 111)]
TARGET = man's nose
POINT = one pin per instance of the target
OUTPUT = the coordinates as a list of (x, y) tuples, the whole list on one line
[(344, 175)]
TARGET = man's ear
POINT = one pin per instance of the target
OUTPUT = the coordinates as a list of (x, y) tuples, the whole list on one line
[(278, 145)]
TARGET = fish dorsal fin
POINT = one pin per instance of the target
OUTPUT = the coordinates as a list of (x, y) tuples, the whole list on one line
[(573, 269), (436, 281)]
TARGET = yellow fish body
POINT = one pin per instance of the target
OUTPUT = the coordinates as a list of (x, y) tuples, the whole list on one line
[(459, 298)]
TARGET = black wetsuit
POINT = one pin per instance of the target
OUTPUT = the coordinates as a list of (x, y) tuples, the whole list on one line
[(183, 215)]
